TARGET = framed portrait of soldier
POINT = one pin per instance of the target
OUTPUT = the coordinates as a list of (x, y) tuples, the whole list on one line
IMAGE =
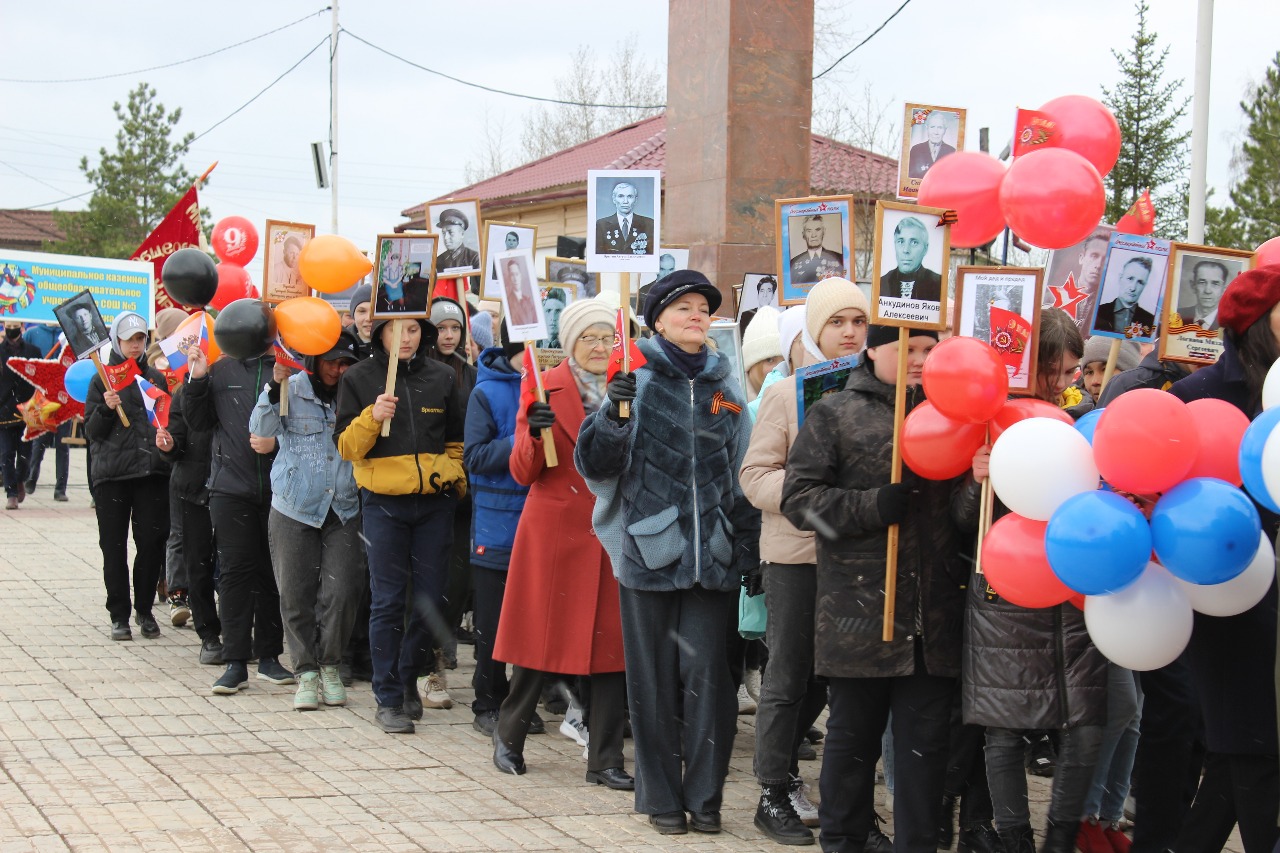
[(521, 296), (757, 289), (403, 276), (554, 301), (1073, 276), (1198, 276), (280, 277), (82, 323), (910, 266), (502, 237), (929, 133), (624, 210), (815, 241), (1133, 284), (571, 274), (1001, 306), (457, 224)]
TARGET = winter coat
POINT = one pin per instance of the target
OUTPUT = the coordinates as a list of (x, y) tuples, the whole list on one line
[(497, 499), (669, 508), (120, 452), (764, 470), (13, 388), (190, 455), (308, 477), (221, 402), (1150, 373), (841, 458), (560, 612)]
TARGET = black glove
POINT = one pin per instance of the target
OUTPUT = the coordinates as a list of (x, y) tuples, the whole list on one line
[(753, 580), (540, 417), (622, 389), (892, 501)]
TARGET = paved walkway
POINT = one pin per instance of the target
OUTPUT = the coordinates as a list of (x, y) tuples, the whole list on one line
[(115, 746)]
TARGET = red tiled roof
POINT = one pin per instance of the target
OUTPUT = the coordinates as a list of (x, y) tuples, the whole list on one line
[(28, 227), (834, 167)]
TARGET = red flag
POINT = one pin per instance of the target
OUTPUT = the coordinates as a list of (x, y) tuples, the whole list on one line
[(122, 374), (1034, 130), (172, 379), (1009, 336), (615, 358), (1141, 218), (179, 230)]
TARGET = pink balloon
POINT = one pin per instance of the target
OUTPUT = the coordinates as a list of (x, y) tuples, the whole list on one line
[(1221, 427), (967, 182), (1086, 127), (1052, 198), (234, 240), (1267, 253)]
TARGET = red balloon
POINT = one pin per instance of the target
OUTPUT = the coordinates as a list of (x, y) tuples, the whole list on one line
[(1265, 254), (936, 447), (1015, 565), (1145, 442), (1086, 127), (1077, 601), (233, 284), (1052, 198), (1021, 409), (234, 240), (1220, 427), (965, 379), (967, 182)]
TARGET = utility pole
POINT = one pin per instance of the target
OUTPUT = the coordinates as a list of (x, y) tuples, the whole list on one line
[(1200, 122), (333, 117)]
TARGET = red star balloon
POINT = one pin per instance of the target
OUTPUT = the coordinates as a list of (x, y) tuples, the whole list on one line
[(47, 375)]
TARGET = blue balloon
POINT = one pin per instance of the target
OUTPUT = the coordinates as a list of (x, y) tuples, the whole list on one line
[(1251, 447), (1088, 423), (78, 377), (1097, 543), (1205, 530)]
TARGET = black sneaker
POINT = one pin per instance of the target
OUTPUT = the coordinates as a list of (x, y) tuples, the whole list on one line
[(412, 707), (29, 486), (877, 841), (485, 722), (776, 817), (147, 623), (211, 653), (393, 721), (235, 677), (269, 669), (806, 752), (60, 497), (120, 631)]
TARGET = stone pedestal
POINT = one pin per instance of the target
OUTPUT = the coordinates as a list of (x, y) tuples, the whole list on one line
[(739, 102)]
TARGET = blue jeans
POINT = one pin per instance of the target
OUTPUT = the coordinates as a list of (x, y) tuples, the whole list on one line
[(1119, 746), (409, 539)]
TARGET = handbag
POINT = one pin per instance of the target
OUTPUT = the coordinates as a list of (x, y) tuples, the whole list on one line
[(751, 615)]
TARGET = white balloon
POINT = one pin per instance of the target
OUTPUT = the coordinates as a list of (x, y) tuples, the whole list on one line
[(1271, 387), (1241, 592), (1144, 626), (1038, 463)]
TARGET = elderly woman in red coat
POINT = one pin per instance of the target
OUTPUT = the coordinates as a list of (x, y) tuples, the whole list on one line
[(560, 613)]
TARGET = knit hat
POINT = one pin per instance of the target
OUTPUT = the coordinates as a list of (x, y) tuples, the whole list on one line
[(167, 321), (881, 335), (828, 298), (1250, 295), (664, 291), (362, 294), (1098, 348), (443, 308), (761, 340), (581, 315), (510, 348), (482, 329), (790, 325)]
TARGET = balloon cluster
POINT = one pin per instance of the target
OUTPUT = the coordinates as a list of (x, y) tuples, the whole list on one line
[(1052, 197)]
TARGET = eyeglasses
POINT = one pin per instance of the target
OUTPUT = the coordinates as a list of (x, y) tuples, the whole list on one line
[(593, 341)]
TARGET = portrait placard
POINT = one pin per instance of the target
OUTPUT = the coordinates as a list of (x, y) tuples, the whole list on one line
[(1126, 307), (280, 277), (554, 300), (521, 298), (1073, 276), (503, 237), (757, 289), (1198, 276), (572, 273), (728, 343), (82, 323), (815, 241), (670, 259), (911, 266), (1001, 306), (626, 206), (457, 224), (929, 133), (403, 276), (817, 381)]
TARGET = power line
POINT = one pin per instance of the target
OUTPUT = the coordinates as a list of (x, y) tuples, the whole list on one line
[(864, 41), (501, 91), (286, 73), (56, 201), (32, 177), (169, 64)]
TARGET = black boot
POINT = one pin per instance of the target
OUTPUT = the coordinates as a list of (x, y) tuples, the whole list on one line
[(1018, 839), (947, 822), (777, 818), (1060, 837), (979, 838)]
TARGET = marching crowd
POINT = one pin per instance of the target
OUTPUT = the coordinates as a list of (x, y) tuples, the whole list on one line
[(370, 527)]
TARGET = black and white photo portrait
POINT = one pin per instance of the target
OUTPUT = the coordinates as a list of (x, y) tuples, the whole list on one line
[(1198, 275), (82, 323), (503, 237), (457, 224), (1133, 284), (929, 133), (571, 274), (625, 207)]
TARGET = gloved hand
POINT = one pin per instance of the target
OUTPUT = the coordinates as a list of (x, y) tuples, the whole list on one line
[(622, 389), (892, 501), (753, 580), (540, 417)]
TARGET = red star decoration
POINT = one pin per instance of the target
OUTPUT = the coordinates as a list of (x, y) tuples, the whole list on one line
[(47, 374), (1068, 296)]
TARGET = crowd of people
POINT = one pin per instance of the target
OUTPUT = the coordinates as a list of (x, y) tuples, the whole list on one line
[(371, 527)]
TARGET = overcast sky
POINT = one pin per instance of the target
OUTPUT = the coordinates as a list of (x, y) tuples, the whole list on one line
[(405, 135)]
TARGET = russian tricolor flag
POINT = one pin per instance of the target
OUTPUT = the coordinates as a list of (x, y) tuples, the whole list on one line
[(288, 357), (193, 332), (156, 401)]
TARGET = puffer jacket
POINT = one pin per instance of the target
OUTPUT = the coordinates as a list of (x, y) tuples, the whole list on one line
[(669, 509), (13, 388), (221, 402), (491, 425), (120, 452), (840, 460)]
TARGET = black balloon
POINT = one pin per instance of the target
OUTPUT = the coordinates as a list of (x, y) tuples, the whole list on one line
[(244, 329), (191, 277)]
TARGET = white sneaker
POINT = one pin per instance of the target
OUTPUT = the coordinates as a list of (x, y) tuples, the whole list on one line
[(751, 681), (434, 690), (746, 705), (575, 730), (805, 809)]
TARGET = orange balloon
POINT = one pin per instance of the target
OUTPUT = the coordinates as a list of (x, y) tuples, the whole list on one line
[(308, 324), (331, 264)]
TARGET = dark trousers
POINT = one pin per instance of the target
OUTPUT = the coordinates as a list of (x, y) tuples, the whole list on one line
[(457, 591), (197, 558), (61, 458), (14, 457), (490, 679), (1243, 789), (175, 570), (248, 601), (142, 504), (604, 747), (408, 538), (684, 707), (860, 707), (1007, 775), (1167, 769), (967, 771)]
